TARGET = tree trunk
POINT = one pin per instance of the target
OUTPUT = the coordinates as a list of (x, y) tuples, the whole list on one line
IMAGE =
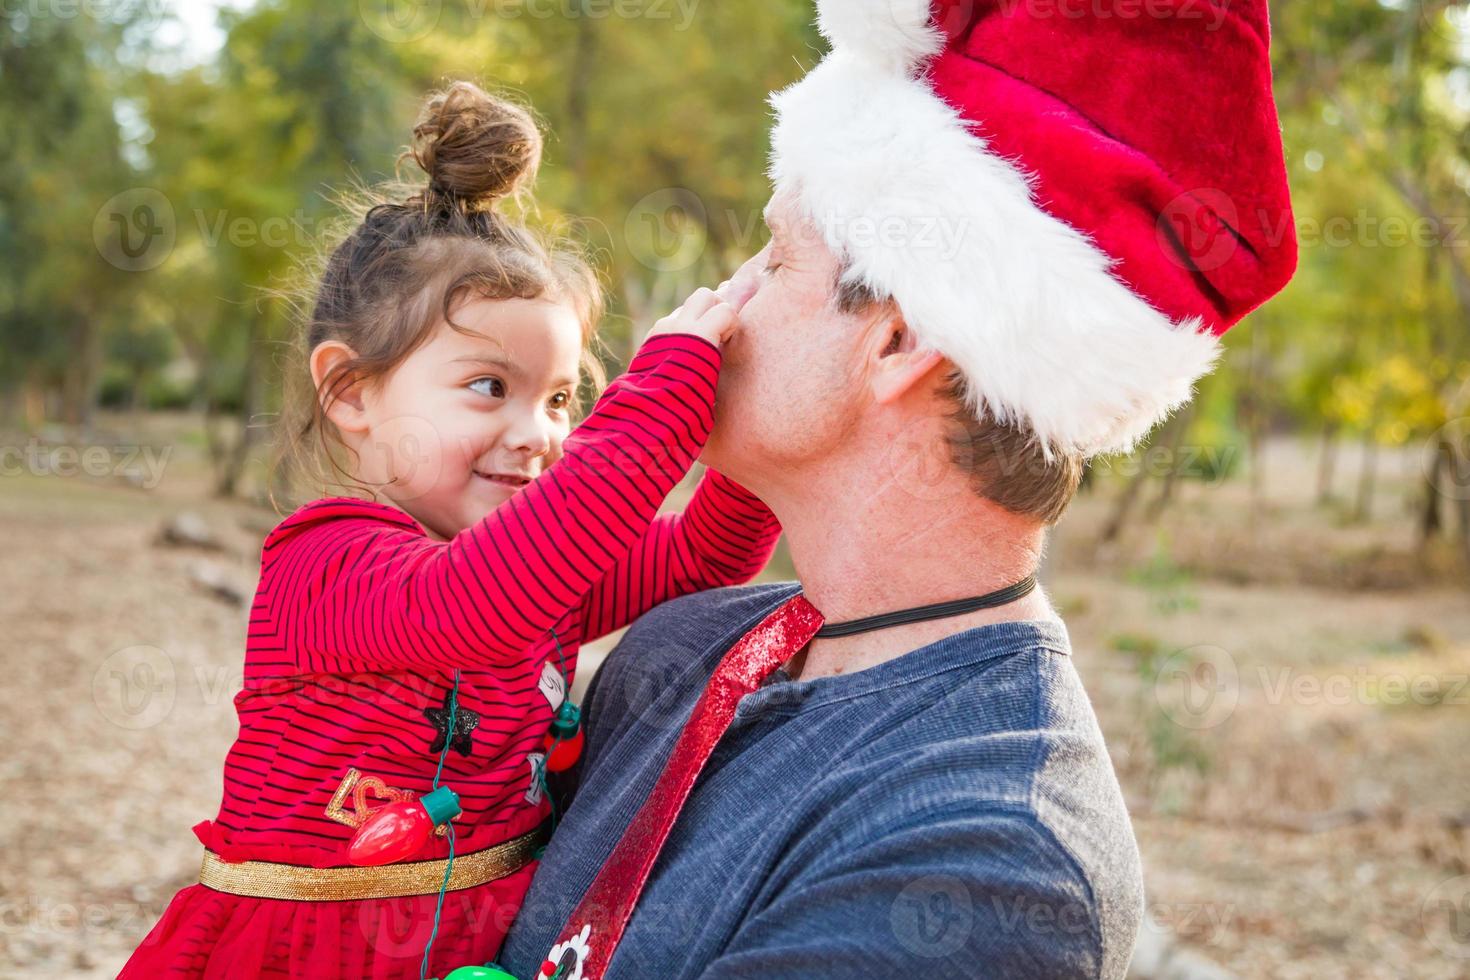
[(1123, 507), (1176, 436), (1430, 523), (1327, 464), (1454, 455), (237, 456), (9, 407), (1366, 479), (640, 314), (579, 85), (79, 382), (198, 355), (1126, 501), (1254, 406), (214, 442), (135, 404), (1464, 508), (33, 402)]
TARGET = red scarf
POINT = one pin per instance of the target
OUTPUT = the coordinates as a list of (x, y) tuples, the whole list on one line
[(594, 929)]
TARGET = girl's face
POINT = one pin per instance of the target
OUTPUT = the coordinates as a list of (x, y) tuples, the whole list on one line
[(473, 415)]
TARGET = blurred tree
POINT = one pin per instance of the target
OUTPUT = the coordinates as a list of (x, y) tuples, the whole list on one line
[(1378, 94), (656, 158), (59, 81), (298, 102)]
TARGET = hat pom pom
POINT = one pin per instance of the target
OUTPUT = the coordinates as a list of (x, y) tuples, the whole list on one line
[(897, 34)]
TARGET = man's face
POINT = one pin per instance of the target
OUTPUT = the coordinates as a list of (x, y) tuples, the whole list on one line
[(790, 390)]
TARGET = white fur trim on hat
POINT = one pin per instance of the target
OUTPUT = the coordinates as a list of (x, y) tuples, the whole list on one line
[(1023, 304)]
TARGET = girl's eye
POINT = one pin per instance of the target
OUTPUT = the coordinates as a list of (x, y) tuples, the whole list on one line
[(494, 387), (560, 400)]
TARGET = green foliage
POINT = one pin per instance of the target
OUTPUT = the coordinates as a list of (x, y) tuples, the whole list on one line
[(656, 159), (58, 83), (1167, 584), (1141, 645), (1172, 747), (1375, 98)]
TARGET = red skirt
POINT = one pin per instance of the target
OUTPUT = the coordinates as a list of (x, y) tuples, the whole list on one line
[(208, 934)]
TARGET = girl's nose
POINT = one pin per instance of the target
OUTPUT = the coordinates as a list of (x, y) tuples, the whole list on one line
[(531, 434)]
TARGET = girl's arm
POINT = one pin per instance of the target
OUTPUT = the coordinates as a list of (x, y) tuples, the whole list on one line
[(725, 536), (361, 595)]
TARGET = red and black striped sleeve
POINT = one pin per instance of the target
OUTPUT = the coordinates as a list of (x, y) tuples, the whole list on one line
[(725, 536), (366, 594)]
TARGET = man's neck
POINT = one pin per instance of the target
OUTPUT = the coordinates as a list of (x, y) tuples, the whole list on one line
[(881, 544)]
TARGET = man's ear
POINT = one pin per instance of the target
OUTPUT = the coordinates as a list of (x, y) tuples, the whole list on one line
[(899, 363), (346, 410)]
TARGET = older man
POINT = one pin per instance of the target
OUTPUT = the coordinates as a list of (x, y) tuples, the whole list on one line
[(1000, 244)]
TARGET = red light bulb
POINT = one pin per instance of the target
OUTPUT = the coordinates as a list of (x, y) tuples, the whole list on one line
[(563, 743), (400, 830), (561, 756)]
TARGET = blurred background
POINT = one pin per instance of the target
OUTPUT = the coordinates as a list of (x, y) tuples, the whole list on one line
[(1268, 601)]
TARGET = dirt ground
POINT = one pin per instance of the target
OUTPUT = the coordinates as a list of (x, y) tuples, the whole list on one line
[(1286, 695)]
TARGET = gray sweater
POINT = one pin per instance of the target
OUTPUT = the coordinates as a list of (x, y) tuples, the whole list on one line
[(949, 813)]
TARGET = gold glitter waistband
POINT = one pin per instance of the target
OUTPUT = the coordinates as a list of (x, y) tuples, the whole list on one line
[(264, 879)]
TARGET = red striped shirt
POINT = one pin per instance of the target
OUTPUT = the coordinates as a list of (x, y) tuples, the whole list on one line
[(360, 619)]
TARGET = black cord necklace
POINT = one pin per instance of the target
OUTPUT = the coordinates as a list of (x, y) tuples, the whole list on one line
[(939, 610)]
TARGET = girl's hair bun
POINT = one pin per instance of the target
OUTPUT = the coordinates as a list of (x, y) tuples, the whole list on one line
[(476, 148)]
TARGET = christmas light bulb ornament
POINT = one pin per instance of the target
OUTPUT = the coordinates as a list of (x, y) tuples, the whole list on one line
[(401, 830), (479, 973), (563, 743)]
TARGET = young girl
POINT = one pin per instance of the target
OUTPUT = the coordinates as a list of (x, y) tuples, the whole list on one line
[(429, 640)]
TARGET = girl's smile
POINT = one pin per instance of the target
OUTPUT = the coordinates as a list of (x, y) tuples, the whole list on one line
[(513, 480)]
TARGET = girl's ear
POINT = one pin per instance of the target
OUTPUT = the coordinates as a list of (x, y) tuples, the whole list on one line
[(346, 409), (898, 362)]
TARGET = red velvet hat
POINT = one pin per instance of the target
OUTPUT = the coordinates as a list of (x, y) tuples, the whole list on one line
[(1070, 199)]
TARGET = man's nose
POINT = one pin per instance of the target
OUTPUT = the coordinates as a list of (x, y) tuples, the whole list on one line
[(741, 287), (745, 283)]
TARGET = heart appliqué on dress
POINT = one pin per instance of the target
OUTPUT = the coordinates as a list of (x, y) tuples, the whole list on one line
[(357, 785)]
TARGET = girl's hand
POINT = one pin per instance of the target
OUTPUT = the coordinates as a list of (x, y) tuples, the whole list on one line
[(710, 314)]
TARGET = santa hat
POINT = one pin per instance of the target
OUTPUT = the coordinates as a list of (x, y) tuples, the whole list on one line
[(1069, 199)]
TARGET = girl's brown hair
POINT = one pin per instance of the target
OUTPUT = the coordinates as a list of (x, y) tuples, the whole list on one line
[(416, 254)]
